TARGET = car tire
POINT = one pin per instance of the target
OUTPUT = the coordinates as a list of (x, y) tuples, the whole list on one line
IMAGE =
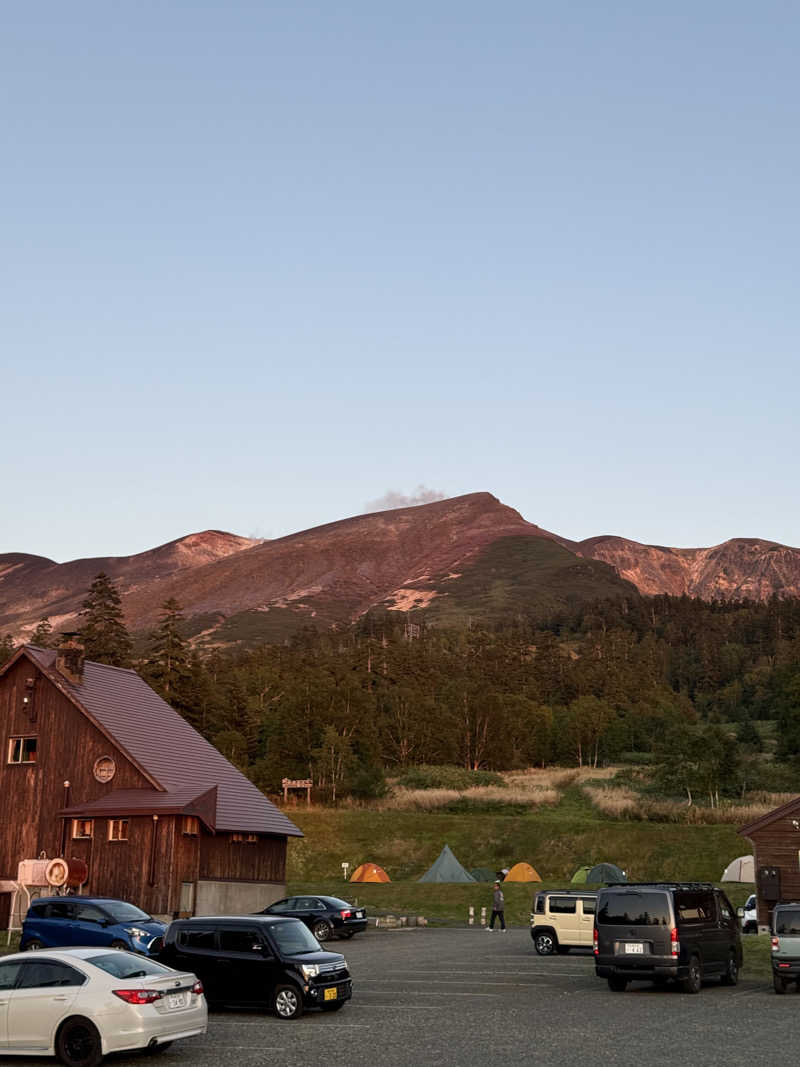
[(617, 985), (545, 942), (779, 983), (33, 945), (116, 943), (78, 1043), (287, 1002), (731, 975), (321, 930), (693, 981), (333, 1007), (156, 1050)]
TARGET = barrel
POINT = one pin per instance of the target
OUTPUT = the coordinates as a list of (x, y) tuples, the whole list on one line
[(66, 872)]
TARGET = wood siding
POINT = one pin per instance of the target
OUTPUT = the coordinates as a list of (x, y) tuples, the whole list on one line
[(778, 845), (223, 858)]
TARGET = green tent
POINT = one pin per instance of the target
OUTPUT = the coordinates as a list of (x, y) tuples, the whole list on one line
[(446, 869), (606, 872), (483, 874), (579, 877)]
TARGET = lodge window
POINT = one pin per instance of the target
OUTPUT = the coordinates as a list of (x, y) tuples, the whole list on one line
[(82, 828), (244, 839), (22, 750), (117, 829), (191, 826)]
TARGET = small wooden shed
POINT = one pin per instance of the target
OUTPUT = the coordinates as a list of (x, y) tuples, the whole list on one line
[(776, 849)]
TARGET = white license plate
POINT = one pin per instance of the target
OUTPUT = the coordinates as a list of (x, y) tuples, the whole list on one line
[(636, 947), (359, 914), (177, 1000)]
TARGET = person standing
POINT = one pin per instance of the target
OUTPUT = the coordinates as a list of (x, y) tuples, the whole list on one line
[(498, 909)]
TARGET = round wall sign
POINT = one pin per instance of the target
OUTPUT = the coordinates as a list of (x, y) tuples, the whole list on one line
[(104, 769)]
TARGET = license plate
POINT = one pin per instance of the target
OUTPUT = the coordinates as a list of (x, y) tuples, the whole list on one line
[(331, 994), (177, 1000), (636, 947), (359, 914)]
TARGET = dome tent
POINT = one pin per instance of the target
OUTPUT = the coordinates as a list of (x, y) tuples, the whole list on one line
[(370, 872), (522, 872), (605, 872), (742, 869), (483, 874), (579, 877), (446, 869)]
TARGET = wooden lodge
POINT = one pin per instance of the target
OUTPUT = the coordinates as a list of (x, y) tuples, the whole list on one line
[(776, 852), (95, 766)]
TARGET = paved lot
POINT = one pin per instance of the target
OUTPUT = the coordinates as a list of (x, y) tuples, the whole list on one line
[(441, 996)]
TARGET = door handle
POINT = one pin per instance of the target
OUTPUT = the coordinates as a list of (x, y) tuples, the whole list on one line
[(60, 998)]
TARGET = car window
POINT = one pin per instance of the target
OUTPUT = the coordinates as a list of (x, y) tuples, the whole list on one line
[(46, 974), (563, 905), (126, 965), (123, 912), (588, 905), (197, 938), (88, 913), (725, 908), (58, 909), (239, 939), (694, 907), (787, 922), (8, 974), (293, 937), (279, 906), (539, 905), (634, 909), (304, 904)]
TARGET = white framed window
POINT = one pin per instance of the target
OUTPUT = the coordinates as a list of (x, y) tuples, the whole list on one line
[(190, 826), (117, 829), (22, 750), (82, 828)]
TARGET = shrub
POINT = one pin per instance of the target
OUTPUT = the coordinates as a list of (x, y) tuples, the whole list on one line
[(428, 776)]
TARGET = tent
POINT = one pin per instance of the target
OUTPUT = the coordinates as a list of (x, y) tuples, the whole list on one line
[(370, 872), (483, 874), (606, 872), (579, 877), (742, 869), (446, 869), (522, 872)]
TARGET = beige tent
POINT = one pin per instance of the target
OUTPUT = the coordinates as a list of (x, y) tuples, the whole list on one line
[(742, 869), (370, 872), (522, 872)]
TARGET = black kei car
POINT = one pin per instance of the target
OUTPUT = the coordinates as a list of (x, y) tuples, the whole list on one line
[(324, 916), (664, 931), (258, 961)]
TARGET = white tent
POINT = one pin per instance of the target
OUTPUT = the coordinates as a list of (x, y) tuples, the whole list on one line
[(742, 869)]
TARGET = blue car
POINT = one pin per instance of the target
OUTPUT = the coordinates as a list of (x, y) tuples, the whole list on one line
[(65, 922)]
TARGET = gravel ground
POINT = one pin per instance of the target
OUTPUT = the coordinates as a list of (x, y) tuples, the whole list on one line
[(445, 996)]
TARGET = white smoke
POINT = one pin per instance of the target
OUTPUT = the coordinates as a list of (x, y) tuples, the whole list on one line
[(394, 499)]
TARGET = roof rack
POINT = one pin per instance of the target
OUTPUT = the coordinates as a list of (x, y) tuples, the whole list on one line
[(662, 885)]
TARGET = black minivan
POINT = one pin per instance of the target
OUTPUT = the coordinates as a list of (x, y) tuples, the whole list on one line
[(661, 931), (258, 961)]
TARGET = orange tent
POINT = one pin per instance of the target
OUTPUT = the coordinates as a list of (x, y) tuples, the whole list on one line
[(370, 872), (522, 872)]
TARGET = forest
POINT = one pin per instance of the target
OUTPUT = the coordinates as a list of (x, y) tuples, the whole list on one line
[(709, 693)]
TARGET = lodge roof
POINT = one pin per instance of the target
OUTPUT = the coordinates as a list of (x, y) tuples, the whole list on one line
[(792, 807), (173, 755)]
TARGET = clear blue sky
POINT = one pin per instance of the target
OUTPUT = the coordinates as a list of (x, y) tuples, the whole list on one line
[(264, 262)]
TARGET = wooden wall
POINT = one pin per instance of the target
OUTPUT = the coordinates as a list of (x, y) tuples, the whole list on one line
[(263, 860), (778, 845)]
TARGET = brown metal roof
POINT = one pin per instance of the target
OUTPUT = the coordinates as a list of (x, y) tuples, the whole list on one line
[(792, 807), (122, 802), (171, 752)]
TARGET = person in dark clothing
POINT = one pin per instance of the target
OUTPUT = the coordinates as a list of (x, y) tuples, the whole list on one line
[(498, 909)]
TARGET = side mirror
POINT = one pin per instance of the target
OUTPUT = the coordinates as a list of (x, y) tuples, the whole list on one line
[(740, 912)]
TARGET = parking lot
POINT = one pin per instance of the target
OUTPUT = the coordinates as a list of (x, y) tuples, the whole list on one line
[(467, 997)]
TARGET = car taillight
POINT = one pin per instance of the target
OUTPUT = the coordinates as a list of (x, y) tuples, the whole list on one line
[(675, 945), (346, 914), (594, 942), (775, 944), (138, 996), (197, 988)]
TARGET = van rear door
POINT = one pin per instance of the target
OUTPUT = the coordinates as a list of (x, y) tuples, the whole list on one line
[(634, 925)]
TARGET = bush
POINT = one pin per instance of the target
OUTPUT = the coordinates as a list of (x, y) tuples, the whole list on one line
[(428, 776)]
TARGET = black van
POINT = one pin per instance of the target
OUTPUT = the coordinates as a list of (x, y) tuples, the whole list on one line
[(661, 931), (258, 960)]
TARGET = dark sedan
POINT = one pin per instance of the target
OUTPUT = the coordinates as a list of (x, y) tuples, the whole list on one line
[(324, 916)]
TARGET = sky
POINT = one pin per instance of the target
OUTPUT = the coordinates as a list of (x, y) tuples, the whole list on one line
[(265, 264)]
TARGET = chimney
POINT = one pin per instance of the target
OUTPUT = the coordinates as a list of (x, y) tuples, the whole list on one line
[(69, 658)]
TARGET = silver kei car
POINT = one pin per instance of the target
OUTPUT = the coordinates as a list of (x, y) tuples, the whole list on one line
[(81, 1003)]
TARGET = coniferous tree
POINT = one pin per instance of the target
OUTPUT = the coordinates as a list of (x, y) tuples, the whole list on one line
[(105, 636), (168, 666), (7, 649), (43, 634)]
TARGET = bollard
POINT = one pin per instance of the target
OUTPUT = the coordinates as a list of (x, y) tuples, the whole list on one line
[(483, 916), (472, 915)]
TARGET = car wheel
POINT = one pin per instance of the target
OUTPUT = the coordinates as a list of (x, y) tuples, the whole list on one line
[(779, 983), (120, 945), (33, 945), (287, 1002), (693, 981), (155, 1050), (731, 975), (78, 1043), (545, 943), (333, 1007), (321, 930), (617, 985)]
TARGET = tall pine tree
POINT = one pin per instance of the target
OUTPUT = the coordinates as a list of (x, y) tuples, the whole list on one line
[(168, 665), (43, 634), (104, 634)]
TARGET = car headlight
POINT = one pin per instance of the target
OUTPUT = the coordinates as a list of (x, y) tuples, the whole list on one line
[(140, 935), (310, 970)]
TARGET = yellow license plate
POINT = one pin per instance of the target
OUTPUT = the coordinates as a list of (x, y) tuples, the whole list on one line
[(330, 994)]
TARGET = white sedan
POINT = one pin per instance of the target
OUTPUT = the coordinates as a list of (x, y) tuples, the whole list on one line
[(81, 1003)]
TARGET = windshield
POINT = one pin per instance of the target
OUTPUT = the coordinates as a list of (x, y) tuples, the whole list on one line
[(125, 965), (294, 938), (634, 909), (121, 912), (788, 923)]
